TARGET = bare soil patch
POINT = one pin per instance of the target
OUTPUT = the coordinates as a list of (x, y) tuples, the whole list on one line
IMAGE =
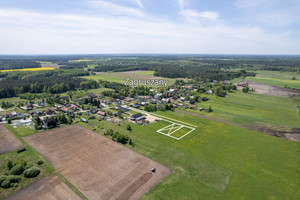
[(97, 166), (8, 142), (262, 88), (49, 187), (56, 66)]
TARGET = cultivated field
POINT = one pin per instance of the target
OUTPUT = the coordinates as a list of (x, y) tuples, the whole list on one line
[(133, 75), (8, 142), (49, 187), (98, 167), (277, 78)]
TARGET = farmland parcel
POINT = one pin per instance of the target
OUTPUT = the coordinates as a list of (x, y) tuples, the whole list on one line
[(8, 142), (97, 166)]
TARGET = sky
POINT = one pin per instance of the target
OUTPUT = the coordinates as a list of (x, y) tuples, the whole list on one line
[(150, 26)]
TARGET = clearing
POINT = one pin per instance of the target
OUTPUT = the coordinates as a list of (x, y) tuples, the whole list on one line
[(277, 78), (49, 187), (95, 165), (119, 77), (266, 89), (8, 142)]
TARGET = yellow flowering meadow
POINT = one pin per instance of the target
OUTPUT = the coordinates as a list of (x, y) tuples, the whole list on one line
[(28, 69)]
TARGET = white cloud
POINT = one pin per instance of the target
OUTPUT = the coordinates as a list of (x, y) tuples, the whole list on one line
[(34, 32), (273, 13), (116, 9), (207, 15), (139, 3)]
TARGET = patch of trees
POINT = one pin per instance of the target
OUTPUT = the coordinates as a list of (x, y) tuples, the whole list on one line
[(73, 65), (18, 64), (13, 171), (119, 137), (6, 105), (42, 83)]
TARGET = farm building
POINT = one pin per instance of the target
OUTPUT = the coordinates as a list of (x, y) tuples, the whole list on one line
[(137, 117)]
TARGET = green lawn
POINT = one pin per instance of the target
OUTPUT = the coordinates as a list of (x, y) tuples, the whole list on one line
[(217, 161), (119, 77), (277, 78), (30, 156), (251, 108)]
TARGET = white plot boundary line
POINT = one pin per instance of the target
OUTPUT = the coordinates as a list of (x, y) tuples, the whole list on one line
[(170, 129), (170, 120)]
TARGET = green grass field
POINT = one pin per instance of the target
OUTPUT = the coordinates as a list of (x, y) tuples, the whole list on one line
[(217, 161), (251, 108), (119, 77), (277, 78)]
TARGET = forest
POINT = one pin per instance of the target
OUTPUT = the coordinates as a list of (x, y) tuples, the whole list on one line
[(53, 82), (18, 64)]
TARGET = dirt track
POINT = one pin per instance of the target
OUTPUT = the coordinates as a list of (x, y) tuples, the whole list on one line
[(262, 88), (48, 188), (97, 166), (8, 142)]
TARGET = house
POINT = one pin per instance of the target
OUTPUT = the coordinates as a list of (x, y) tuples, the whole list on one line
[(151, 90), (117, 102), (200, 109), (26, 122), (242, 84), (92, 95), (28, 106), (185, 106), (65, 109), (49, 111), (182, 98), (101, 113), (40, 103), (127, 100), (143, 103), (84, 120), (175, 106), (74, 107), (123, 109), (209, 92), (93, 111), (136, 105), (137, 117), (193, 106)]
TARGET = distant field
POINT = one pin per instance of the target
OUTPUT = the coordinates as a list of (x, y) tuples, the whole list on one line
[(249, 109), (216, 161), (81, 60), (28, 69), (134, 75), (277, 78), (8, 142)]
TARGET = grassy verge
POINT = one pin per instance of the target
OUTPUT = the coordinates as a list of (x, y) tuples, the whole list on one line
[(70, 185)]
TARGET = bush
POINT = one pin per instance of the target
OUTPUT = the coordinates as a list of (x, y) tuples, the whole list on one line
[(14, 178), (32, 172), (2, 178), (39, 162), (5, 184), (17, 170), (9, 165)]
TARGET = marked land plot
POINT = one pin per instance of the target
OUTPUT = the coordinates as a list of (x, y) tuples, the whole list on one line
[(8, 142), (49, 187), (98, 167), (176, 130)]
